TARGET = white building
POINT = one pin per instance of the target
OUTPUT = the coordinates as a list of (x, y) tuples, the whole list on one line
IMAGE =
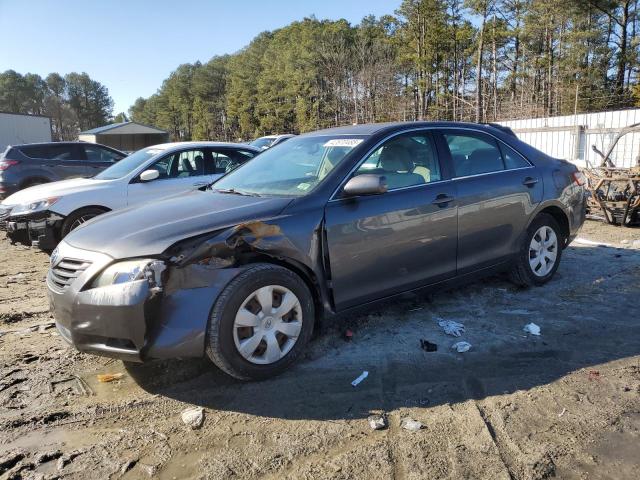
[(571, 137), (16, 129)]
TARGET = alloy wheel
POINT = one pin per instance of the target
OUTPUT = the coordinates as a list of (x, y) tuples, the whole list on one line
[(267, 324)]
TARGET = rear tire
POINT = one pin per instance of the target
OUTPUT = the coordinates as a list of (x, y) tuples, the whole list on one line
[(540, 253), (77, 218), (261, 322)]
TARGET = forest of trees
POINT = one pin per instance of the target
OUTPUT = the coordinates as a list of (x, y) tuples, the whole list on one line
[(74, 102), (477, 60)]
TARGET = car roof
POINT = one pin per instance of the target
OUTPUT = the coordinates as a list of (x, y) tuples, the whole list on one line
[(375, 128), (178, 145)]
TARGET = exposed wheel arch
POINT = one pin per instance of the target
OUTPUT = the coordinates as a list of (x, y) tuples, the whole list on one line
[(561, 217)]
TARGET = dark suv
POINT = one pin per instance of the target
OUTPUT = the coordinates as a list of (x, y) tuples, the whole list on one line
[(23, 166)]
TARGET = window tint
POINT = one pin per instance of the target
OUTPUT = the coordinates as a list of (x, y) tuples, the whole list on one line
[(52, 152), (512, 159), (189, 163), (405, 160), (473, 153), (224, 161), (99, 154)]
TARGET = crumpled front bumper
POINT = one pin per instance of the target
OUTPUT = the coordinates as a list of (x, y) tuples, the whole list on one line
[(39, 229), (131, 321)]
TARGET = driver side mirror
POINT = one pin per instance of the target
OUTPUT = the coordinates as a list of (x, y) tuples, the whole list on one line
[(365, 184), (149, 175)]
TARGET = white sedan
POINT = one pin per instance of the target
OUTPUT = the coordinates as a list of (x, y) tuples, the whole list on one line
[(42, 215)]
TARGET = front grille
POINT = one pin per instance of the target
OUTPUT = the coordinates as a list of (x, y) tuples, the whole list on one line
[(66, 271)]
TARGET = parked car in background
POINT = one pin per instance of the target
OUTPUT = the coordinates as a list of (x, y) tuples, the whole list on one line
[(23, 166), (44, 214), (270, 140), (326, 222)]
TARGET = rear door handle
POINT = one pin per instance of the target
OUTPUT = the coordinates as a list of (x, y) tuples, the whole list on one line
[(530, 181), (442, 199), (200, 184)]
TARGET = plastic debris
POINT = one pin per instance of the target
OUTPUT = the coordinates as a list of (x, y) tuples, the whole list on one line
[(562, 412), (411, 425), (362, 376), (532, 328), (109, 377), (461, 347), (377, 422), (594, 375), (193, 417), (427, 346), (452, 328), (348, 335)]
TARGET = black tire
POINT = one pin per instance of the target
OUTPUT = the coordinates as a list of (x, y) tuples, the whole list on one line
[(220, 344), (82, 213), (521, 273)]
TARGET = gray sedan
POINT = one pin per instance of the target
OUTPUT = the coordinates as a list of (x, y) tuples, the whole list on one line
[(326, 222)]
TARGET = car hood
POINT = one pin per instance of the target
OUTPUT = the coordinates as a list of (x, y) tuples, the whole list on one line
[(53, 189), (151, 228)]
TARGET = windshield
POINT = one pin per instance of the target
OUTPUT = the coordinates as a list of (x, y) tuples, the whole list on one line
[(262, 142), (128, 164), (293, 169)]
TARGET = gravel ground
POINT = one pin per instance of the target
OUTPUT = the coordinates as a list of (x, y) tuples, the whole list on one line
[(516, 406)]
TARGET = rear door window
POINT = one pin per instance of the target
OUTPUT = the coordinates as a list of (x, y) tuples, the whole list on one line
[(225, 160), (473, 153)]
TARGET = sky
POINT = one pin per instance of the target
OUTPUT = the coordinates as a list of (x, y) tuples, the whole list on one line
[(132, 46)]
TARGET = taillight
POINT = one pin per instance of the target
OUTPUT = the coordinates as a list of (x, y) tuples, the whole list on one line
[(4, 164), (579, 178)]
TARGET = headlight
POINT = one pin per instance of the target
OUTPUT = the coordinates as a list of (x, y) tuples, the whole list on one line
[(36, 206), (123, 272)]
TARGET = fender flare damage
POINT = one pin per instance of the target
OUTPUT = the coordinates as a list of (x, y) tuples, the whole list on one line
[(199, 269)]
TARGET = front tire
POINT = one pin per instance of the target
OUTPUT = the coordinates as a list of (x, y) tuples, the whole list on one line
[(540, 253), (261, 322)]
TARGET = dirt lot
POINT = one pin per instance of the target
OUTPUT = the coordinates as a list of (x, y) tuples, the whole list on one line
[(565, 403)]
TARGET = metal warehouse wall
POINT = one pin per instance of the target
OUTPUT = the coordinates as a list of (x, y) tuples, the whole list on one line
[(16, 129), (571, 137)]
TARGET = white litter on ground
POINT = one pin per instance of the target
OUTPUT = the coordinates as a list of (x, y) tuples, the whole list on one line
[(584, 241), (377, 422), (362, 376), (461, 347), (193, 417), (532, 328), (452, 328), (411, 425)]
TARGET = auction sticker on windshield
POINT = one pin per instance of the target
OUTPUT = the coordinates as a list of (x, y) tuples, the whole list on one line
[(343, 142)]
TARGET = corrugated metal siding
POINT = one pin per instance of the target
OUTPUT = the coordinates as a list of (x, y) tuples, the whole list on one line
[(571, 137), (16, 129)]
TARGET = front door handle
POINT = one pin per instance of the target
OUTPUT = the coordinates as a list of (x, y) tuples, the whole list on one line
[(530, 181), (442, 200)]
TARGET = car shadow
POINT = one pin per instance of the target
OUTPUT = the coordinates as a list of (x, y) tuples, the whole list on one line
[(588, 316)]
